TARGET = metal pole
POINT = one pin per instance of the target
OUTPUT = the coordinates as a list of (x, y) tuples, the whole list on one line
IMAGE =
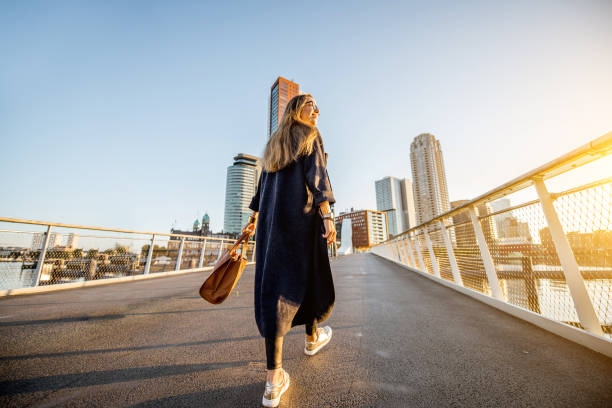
[(220, 250), (179, 258), (419, 255), (149, 256), (530, 284), (404, 251), (202, 251), (41, 258), (582, 301), (432, 255), (253, 253), (398, 254), (409, 248), (486, 256), (451, 255)]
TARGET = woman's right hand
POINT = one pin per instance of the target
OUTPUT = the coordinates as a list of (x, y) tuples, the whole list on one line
[(250, 228), (330, 231)]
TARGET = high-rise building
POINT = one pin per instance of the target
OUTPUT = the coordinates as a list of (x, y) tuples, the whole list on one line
[(241, 186), (409, 209), (429, 178), (464, 231), (501, 205), (39, 238), (72, 241), (394, 196), (369, 227), (281, 92), (487, 223)]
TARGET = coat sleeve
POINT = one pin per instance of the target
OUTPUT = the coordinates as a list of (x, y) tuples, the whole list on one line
[(255, 200), (316, 176)]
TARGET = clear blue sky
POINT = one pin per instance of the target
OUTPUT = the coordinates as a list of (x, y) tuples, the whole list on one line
[(127, 114)]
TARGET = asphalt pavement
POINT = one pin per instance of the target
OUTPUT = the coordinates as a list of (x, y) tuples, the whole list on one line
[(400, 340)]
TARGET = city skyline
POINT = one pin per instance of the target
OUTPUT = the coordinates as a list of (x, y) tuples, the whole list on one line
[(138, 110)]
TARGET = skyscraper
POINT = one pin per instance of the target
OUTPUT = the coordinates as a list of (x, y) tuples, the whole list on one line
[(465, 237), (241, 185), (464, 230), (429, 178), (394, 196), (281, 92)]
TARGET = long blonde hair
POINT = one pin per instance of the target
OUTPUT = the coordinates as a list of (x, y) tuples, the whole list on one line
[(293, 138)]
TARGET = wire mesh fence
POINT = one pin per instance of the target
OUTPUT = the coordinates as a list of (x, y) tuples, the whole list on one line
[(495, 243), (37, 254), (586, 216), (440, 253)]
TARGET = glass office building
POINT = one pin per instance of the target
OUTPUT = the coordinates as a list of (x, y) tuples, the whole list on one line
[(241, 185)]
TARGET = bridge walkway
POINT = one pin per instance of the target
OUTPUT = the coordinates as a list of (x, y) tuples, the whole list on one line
[(400, 340)]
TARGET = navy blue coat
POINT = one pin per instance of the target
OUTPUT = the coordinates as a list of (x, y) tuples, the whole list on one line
[(293, 280)]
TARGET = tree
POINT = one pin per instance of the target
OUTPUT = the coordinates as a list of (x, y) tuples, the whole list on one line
[(92, 253), (120, 249)]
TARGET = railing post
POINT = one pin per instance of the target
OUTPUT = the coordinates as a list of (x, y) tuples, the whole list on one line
[(419, 255), (410, 254), (149, 256), (179, 258), (41, 258), (398, 252), (220, 250), (582, 301), (432, 255), (402, 249), (487, 260), (202, 252), (530, 284), (451, 255), (405, 251)]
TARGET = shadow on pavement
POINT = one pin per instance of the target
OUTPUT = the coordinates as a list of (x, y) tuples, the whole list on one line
[(112, 316), (246, 395), (58, 382), (152, 347)]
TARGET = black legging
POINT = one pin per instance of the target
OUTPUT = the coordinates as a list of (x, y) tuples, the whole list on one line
[(274, 348)]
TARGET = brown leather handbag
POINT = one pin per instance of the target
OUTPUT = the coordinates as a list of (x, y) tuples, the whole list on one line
[(226, 272)]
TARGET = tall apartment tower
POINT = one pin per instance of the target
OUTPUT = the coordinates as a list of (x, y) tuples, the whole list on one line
[(241, 186), (394, 196), (281, 92), (429, 178)]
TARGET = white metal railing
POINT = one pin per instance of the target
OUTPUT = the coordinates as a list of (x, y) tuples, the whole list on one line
[(551, 255), (44, 253)]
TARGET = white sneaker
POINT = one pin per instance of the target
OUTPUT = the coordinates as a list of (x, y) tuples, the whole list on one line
[(273, 392), (324, 335)]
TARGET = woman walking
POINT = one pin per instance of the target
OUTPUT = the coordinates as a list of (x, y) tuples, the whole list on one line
[(293, 281)]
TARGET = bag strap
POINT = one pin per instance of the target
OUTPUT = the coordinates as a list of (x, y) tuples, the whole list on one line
[(244, 240)]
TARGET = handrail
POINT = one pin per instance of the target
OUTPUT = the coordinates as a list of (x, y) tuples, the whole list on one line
[(56, 224), (580, 156)]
